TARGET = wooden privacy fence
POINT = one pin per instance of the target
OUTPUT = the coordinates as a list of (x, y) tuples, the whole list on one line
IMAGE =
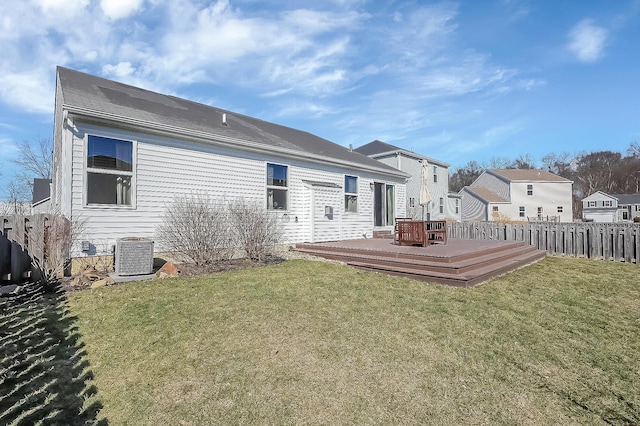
[(609, 241), (21, 239)]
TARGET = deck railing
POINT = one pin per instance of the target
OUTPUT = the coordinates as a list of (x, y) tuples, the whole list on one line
[(610, 241), (413, 232)]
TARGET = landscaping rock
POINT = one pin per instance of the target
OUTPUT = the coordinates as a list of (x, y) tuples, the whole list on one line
[(103, 282), (168, 270)]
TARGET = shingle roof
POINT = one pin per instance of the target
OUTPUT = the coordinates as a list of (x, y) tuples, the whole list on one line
[(41, 190), (486, 194), (379, 147), (90, 93), (528, 175), (627, 198)]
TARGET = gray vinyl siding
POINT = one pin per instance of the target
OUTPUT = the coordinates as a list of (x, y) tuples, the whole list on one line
[(439, 189), (472, 207), (494, 183), (166, 167)]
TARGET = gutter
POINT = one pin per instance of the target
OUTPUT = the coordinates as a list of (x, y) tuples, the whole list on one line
[(223, 141)]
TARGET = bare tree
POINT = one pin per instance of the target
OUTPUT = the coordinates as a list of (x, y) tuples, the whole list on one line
[(35, 160), (16, 199)]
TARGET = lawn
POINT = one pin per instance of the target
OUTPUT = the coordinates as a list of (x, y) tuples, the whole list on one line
[(316, 342)]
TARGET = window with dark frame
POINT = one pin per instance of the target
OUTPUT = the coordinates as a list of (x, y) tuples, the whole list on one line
[(521, 211), (435, 174), (351, 194), (441, 205), (560, 209), (529, 189), (109, 177), (277, 187)]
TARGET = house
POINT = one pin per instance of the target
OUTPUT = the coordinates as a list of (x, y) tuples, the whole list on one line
[(121, 153), (443, 205), (518, 195), (603, 207)]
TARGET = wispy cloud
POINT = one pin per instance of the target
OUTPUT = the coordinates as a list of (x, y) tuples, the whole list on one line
[(587, 41)]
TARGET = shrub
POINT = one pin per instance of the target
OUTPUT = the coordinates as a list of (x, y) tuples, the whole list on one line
[(205, 231), (255, 230), (196, 227)]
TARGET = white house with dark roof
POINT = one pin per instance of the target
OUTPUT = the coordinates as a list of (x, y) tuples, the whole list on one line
[(519, 195), (121, 153), (443, 204), (603, 207)]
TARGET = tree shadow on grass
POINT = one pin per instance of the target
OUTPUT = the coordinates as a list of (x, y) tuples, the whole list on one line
[(44, 373)]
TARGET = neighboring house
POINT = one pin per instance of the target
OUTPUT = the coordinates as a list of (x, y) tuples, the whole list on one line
[(122, 153), (518, 195), (603, 207), (443, 205), (41, 196)]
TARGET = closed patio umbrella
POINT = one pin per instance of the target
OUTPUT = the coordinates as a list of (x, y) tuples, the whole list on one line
[(425, 194)]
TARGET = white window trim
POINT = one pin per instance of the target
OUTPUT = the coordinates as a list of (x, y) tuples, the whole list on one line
[(351, 194), (86, 170), (267, 187)]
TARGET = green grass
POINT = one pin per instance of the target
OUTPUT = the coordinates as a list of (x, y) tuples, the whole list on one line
[(314, 342)]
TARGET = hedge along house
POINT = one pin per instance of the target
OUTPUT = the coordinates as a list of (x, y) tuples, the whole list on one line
[(122, 153)]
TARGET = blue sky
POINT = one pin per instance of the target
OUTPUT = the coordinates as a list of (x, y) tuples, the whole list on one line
[(457, 81)]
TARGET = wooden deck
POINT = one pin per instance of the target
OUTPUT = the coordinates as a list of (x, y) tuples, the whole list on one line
[(460, 263)]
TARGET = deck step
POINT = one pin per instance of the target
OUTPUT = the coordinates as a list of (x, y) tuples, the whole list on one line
[(459, 264), (468, 279), (460, 267)]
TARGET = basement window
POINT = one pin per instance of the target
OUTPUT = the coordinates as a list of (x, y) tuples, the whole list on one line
[(110, 171)]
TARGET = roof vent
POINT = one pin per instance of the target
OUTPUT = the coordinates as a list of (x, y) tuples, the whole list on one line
[(224, 119), (350, 147)]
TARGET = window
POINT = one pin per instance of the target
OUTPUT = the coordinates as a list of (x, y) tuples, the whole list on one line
[(109, 171), (457, 206), (435, 174), (529, 189), (522, 211), (591, 203), (441, 205), (607, 203), (412, 202), (560, 209), (351, 194), (495, 208), (539, 212), (277, 187)]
